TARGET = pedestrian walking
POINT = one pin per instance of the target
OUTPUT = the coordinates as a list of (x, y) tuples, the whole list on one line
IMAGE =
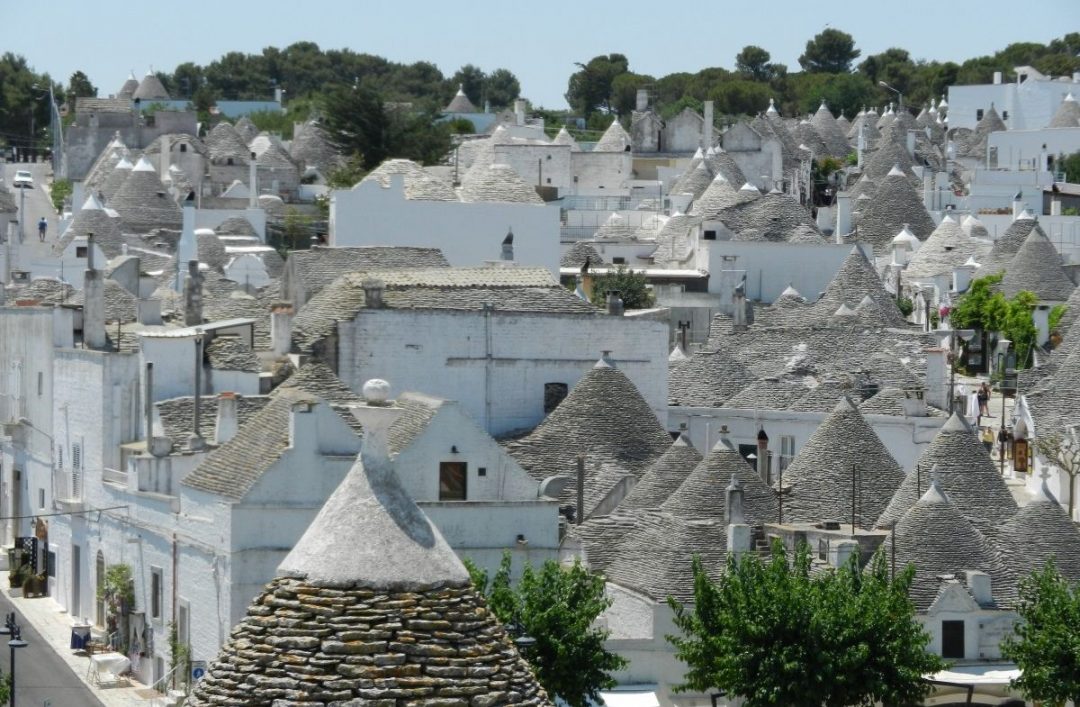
[(984, 399), (988, 440), (42, 226)]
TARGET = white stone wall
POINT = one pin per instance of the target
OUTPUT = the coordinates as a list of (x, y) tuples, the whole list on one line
[(1030, 105), (543, 165), (601, 173), (468, 234), (1028, 149), (771, 267), (506, 391)]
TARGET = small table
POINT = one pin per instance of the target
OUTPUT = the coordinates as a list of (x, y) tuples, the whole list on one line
[(107, 667), (80, 636)]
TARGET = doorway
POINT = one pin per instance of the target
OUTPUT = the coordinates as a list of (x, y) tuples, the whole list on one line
[(99, 578), (76, 589)]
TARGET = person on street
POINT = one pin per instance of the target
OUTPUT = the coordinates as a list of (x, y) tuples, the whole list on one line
[(42, 226), (984, 399), (988, 440)]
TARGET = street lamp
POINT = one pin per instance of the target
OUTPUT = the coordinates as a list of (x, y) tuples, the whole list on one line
[(16, 641), (900, 96), (1003, 356)]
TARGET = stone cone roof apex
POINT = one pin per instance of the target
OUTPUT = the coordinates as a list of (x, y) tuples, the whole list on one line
[(896, 172), (682, 441), (970, 262), (844, 311), (723, 444), (749, 187), (790, 291), (143, 165), (948, 218), (370, 533), (698, 154), (605, 361), (1026, 215), (92, 204), (954, 424), (772, 108), (124, 163), (934, 494)]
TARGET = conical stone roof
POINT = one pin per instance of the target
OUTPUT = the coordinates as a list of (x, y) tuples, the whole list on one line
[(964, 471), (1037, 267), (92, 219), (224, 143), (888, 157), (935, 537), (247, 129), (460, 103), (947, 248), (1039, 531), (498, 182), (855, 280), (894, 203), (565, 138), (143, 203), (311, 147), (614, 139), (720, 162), (694, 181), (719, 196), (128, 89), (1067, 115), (975, 143), (807, 136), (843, 450), (707, 379), (104, 166), (370, 607), (575, 256), (116, 179), (1008, 245), (615, 227), (831, 133), (701, 496), (151, 89), (662, 478)]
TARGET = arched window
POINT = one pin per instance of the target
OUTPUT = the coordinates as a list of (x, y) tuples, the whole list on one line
[(553, 395)]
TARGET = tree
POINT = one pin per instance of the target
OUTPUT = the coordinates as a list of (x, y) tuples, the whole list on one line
[(771, 633), (589, 89), (1071, 167), (624, 91), (471, 79), (1044, 643), (187, 78), (79, 86), (558, 607), (632, 287), (830, 52), (1064, 453), (502, 87), (753, 61)]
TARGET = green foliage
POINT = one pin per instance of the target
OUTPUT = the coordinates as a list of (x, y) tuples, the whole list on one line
[(60, 190), (771, 633), (179, 657), (347, 175), (632, 287), (753, 62), (906, 306), (558, 607), (471, 80), (1044, 644), (79, 86), (502, 87), (283, 122), (5, 688), (830, 51), (589, 88), (1056, 313), (21, 102), (1071, 166), (982, 307), (119, 588), (297, 229)]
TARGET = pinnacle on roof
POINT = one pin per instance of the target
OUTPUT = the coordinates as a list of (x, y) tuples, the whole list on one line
[(143, 202), (677, 354), (896, 171), (565, 138), (906, 237), (844, 311), (663, 477), (830, 131), (460, 103), (771, 110), (817, 482), (1067, 114), (721, 162), (965, 472), (698, 154), (1037, 267), (614, 139), (935, 537), (790, 291), (748, 187), (615, 227), (701, 495), (150, 89)]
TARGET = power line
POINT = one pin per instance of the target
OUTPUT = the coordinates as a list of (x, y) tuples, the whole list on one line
[(66, 513)]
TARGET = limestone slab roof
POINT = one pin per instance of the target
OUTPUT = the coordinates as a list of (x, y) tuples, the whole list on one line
[(93, 219), (823, 397), (770, 393), (718, 196), (575, 256), (565, 138), (695, 180), (603, 417), (702, 495), (143, 203), (662, 478), (235, 226), (843, 451), (86, 104), (776, 218), (894, 203), (247, 129), (707, 379), (890, 401), (211, 251), (965, 473), (104, 165), (115, 179), (855, 280), (888, 156), (1053, 403), (720, 162), (656, 557), (498, 183), (311, 146), (120, 305), (975, 142), (807, 136), (1010, 241), (225, 143), (614, 139), (599, 537), (1040, 530), (319, 266), (229, 353), (615, 227), (935, 537), (151, 89), (1037, 267), (177, 416), (831, 132), (1067, 114), (193, 143), (460, 103), (947, 248), (275, 157)]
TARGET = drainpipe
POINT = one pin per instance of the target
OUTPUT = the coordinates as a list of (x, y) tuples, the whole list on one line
[(488, 361)]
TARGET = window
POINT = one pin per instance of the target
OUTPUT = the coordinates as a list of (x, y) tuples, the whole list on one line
[(80, 251), (40, 383), (183, 147), (952, 639), (41, 499), (554, 393), (481, 471), (787, 450), (709, 235), (979, 114), (823, 549), (1004, 115), (229, 161), (618, 260), (76, 471), (155, 592), (452, 481)]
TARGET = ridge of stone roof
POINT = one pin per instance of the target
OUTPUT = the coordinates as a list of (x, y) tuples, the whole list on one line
[(224, 142), (229, 353), (1037, 267), (856, 278), (701, 495), (964, 471), (844, 449), (707, 379), (1039, 531), (694, 181), (935, 537), (143, 203), (1009, 243), (721, 162), (775, 218), (1067, 114), (661, 479), (947, 248), (319, 266), (614, 139), (93, 219), (499, 183)]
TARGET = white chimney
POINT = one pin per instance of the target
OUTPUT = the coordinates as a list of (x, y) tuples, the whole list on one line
[(93, 303), (1017, 205), (979, 585), (843, 215), (997, 77), (519, 111), (928, 189), (707, 136), (642, 102), (738, 305), (911, 142), (187, 249), (165, 155), (1055, 207), (226, 425), (281, 328), (149, 311), (253, 184)]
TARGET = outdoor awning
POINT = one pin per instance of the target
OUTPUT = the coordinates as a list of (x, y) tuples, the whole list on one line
[(990, 674), (645, 697)]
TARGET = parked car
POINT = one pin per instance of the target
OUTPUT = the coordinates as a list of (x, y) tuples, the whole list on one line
[(23, 179)]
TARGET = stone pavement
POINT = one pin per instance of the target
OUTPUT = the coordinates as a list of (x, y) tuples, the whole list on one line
[(54, 625)]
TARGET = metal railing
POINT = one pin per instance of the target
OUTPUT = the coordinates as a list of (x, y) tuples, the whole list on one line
[(114, 476)]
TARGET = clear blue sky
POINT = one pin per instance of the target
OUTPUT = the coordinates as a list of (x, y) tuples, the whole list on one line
[(538, 42)]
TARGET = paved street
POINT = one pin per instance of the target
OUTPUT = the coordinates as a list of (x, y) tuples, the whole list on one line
[(33, 255), (40, 674)]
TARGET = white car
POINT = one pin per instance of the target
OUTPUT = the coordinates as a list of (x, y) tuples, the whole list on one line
[(23, 179)]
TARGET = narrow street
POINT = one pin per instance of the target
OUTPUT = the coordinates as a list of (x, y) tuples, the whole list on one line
[(41, 677), (32, 254)]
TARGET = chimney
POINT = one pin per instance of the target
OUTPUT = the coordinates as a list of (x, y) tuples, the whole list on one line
[(519, 111), (911, 142), (733, 502), (226, 425), (165, 155), (149, 311), (188, 248), (928, 189), (1017, 205), (642, 102), (614, 304), (279, 95), (373, 293), (94, 306), (89, 251), (738, 304), (281, 315), (997, 77), (913, 403), (149, 405), (193, 295), (707, 133), (1055, 207), (508, 246), (963, 274), (860, 146), (979, 585), (195, 441), (843, 215), (253, 184)]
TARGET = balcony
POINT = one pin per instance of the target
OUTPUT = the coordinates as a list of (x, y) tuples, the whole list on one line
[(114, 476)]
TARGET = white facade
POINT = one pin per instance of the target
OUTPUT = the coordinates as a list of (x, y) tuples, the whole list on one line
[(1023, 105), (1031, 150), (496, 364), (601, 173), (467, 233), (771, 267)]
